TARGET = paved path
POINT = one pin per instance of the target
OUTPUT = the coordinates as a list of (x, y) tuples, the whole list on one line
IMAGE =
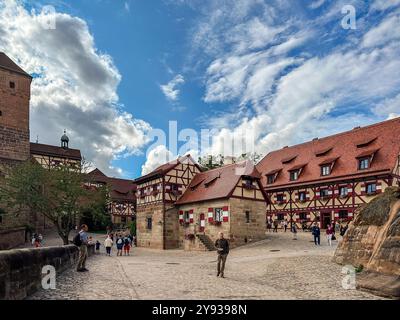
[(276, 268)]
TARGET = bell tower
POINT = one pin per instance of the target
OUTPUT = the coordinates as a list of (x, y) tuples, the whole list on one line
[(15, 85)]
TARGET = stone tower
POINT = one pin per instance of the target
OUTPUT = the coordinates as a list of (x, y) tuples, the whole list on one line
[(15, 86)]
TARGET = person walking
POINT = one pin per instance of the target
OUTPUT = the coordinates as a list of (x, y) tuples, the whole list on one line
[(108, 243), (285, 224), (81, 240), (316, 232), (222, 246), (97, 246), (276, 223), (294, 230), (269, 225), (127, 245), (120, 245), (329, 234)]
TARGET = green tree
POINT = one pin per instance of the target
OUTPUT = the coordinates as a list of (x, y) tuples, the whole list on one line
[(60, 194)]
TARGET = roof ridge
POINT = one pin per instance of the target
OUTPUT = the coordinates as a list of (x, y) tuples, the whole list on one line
[(338, 134)]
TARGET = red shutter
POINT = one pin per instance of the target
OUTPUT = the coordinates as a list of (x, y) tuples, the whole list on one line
[(181, 216), (191, 216), (210, 214), (378, 187)]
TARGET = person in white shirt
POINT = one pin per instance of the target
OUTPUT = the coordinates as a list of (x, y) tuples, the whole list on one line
[(108, 243)]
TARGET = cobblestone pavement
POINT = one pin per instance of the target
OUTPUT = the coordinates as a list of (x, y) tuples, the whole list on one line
[(276, 268)]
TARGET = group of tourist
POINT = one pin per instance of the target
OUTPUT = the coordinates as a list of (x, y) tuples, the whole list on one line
[(123, 243), (37, 240), (82, 240)]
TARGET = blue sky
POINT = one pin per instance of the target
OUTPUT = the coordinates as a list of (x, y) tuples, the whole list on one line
[(115, 70)]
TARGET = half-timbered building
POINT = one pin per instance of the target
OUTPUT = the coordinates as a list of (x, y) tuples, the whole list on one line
[(157, 218), (51, 157), (229, 199), (122, 197), (326, 179)]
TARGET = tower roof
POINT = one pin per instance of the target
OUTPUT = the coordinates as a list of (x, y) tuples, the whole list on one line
[(8, 64), (64, 137)]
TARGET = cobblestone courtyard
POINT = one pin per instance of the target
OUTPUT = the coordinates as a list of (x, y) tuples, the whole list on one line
[(276, 268)]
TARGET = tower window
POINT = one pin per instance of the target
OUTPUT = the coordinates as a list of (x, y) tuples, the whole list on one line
[(247, 216), (12, 84), (1, 113)]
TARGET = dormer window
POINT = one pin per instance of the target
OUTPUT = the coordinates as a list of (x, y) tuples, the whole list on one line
[(294, 175), (363, 163), (365, 159), (272, 175), (325, 170)]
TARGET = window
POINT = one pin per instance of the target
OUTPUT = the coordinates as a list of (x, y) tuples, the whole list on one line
[(363, 164), (123, 219), (343, 214), (2, 212), (12, 84), (186, 216), (218, 214), (324, 193), (1, 113), (270, 179), (302, 196), (279, 198), (343, 192), (247, 216), (281, 216), (325, 170), (294, 175), (303, 215), (248, 184), (371, 188), (142, 193), (149, 223)]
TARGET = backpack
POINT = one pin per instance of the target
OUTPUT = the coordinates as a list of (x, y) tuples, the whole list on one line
[(119, 241), (77, 240), (126, 241)]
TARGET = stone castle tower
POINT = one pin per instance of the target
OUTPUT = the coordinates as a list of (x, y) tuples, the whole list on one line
[(15, 86)]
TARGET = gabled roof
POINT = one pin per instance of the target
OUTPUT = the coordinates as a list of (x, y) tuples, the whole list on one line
[(8, 64), (120, 189), (54, 151), (217, 183), (381, 139), (165, 168)]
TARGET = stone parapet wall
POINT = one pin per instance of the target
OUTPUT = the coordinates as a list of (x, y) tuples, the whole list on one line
[(21, 269), (11, 238)]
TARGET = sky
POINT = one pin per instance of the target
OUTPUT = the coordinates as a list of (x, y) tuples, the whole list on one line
[(136, 83)]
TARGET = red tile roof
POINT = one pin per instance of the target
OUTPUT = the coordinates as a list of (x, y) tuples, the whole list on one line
[(8, 64), (54, 151), (381, 138), (217, 183), (120, 189)]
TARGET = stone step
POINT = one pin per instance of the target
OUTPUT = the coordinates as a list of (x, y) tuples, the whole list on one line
[(206, 241)]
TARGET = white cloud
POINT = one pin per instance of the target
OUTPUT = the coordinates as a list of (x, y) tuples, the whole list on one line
[(316, 4), (76, 88), (286, 99), (382, 5), (170, 89), (157, 157), (386, 31)]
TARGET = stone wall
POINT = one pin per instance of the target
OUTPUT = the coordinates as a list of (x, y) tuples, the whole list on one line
[(242, 231), (11, 238), (373, 241), (150, 238), (14, 116), (21, 269)]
